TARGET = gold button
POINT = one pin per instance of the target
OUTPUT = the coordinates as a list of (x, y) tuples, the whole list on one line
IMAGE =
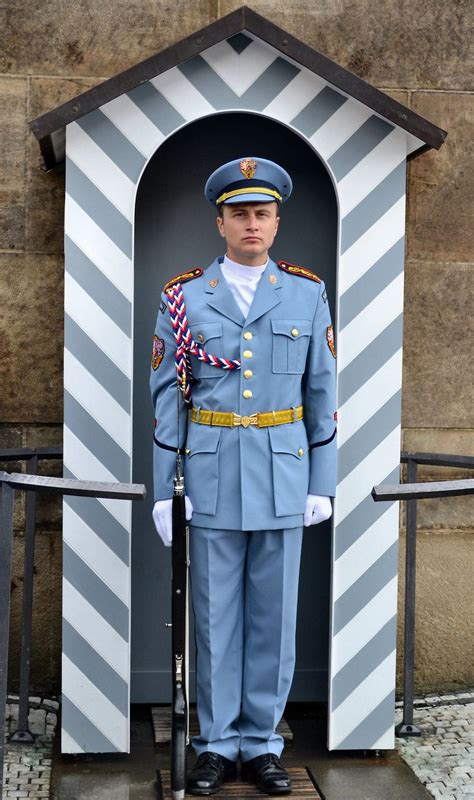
[(247, 354), (247, 393), (301, 452), (248, 335), (187, 451), (294, 331), (248, 373), (200, 337)]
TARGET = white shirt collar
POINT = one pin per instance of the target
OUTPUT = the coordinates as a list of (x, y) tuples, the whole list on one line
[(244, 270)]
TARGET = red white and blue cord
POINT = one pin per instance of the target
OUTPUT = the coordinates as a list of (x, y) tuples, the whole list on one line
[(186, 345)]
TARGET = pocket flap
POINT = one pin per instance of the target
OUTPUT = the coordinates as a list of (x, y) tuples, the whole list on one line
[(202, 438), (285, 440), (203, 331), (286, 326)]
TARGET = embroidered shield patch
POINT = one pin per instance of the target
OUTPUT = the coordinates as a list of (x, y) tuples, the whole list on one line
[(330, 338), (158, 352)]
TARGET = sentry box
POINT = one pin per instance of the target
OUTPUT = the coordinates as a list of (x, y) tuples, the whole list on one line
[(138, 149)]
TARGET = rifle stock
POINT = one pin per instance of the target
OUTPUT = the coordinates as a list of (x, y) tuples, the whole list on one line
[(179, 667)]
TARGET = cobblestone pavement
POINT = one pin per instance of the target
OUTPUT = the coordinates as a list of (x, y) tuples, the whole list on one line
[(443, 757), (27, 768)]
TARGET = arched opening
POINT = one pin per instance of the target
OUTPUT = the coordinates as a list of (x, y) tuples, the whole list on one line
[(174, 230)]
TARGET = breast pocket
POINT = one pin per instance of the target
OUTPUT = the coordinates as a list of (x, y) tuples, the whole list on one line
[(290, 344), (207, 335)]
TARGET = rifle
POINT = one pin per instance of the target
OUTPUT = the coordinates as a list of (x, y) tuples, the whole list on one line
[(179, 623)]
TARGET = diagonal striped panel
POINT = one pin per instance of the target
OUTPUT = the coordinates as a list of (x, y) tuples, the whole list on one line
[(101, 172), (370, 307), (107, 151)]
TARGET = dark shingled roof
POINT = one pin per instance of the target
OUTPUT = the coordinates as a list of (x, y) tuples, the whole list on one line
[(49, 128)]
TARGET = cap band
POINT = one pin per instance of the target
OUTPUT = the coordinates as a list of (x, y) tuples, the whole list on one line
[(250, 190)]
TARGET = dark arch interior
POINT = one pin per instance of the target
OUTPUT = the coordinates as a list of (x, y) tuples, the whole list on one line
[(175, 229)]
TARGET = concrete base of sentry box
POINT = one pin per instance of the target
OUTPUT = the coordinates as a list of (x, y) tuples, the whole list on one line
[(161, 717), (345, 774)]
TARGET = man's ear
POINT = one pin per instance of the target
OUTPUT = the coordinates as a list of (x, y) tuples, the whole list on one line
[(220, 225)]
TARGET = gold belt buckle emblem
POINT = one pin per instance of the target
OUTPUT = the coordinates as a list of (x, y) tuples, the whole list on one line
[(245, 421)]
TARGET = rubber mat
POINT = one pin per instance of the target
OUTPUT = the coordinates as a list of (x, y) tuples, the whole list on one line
[(303, 787)]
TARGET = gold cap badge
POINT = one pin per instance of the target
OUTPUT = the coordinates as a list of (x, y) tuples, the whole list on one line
[(248, 167)]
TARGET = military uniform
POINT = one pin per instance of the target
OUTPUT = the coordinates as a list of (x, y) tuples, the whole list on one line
[(248, 482)]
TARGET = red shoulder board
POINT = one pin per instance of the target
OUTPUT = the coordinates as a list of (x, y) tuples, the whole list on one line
[(303, 272), (183, 277)]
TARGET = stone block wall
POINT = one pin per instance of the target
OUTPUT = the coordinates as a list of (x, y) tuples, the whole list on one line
[(417, 53)]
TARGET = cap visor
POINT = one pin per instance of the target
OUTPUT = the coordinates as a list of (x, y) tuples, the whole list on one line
[(250, 198)]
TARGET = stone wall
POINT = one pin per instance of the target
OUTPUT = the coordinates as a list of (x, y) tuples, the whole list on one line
[(417, 53)]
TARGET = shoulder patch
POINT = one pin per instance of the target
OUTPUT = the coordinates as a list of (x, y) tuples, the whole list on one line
[(158, 352), (330, 339), (183, 277), (303, 272)]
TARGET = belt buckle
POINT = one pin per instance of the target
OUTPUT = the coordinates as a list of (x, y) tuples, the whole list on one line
[(244, 420)]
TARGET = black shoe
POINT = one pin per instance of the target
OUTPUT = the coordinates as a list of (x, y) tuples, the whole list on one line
[(267, 773), (209, 773)]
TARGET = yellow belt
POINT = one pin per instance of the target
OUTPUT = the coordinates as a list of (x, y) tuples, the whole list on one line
[(261, 419)]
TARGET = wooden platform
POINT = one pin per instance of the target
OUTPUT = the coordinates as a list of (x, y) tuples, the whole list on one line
[(161, 717), (303, 787)]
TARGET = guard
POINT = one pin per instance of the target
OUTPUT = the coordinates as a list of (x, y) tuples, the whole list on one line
[(252, 345)]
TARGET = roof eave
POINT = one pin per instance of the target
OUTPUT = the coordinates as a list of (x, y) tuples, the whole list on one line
[(242, 18)]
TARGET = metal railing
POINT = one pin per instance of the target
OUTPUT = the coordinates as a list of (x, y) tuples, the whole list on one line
[(411, 491), (32, 456), (32, 483)]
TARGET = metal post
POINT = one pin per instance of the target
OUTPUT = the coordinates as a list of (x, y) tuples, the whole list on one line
[(406, 726), (22, 733), (6, 538)]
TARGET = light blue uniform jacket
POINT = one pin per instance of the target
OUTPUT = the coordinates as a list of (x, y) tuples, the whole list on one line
[(250, 478)]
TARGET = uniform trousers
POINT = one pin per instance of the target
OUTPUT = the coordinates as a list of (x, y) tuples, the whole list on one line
[(244, 588)]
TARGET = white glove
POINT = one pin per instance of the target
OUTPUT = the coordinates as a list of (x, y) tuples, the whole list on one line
[(318, 509), (163, 521)]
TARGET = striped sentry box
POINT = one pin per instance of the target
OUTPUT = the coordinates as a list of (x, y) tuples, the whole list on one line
[(107, 151)]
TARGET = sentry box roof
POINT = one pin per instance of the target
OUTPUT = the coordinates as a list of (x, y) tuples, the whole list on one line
[(49, 128)]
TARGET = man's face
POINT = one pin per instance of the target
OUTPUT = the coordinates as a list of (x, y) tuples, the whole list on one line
[(249, 230)]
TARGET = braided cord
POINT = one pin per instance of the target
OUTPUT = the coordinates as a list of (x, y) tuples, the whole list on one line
[(186, 345)]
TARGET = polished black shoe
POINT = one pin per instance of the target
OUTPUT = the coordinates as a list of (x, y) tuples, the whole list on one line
[(267, 773), (209, 773)]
